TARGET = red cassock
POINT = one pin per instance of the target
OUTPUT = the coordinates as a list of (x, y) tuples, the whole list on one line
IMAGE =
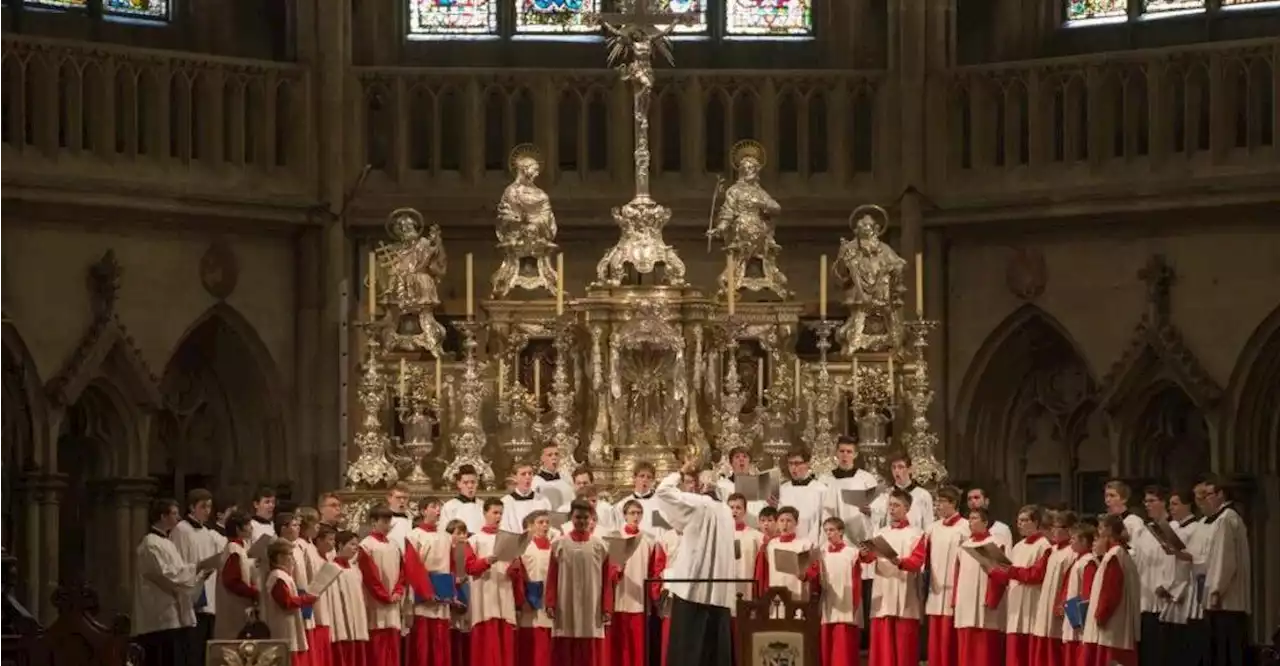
[(1019, 647), (533, 644), (351, 653), (660, 565), (840, 643), (1071, 649), (384, 644), (493, 641), (319, 646), (281, 595), (429, 640), (895, 641), (1104, 609), (976, 646), (624, 639)]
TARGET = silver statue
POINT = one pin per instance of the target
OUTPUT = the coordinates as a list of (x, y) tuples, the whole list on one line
[(414, 264), (745, 223), (631, 50), (526, 229), (870, 273)]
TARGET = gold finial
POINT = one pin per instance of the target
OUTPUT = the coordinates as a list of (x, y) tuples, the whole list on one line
[(871, 210), (520, 152), (748, 148)]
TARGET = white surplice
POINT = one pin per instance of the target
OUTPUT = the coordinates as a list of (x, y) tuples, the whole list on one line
[(516, 507), (1228, 571), (856, 523), (164, 587), (468, 510), (706, 543), (945, 537), (806, 496), (1186, 603), (195, 543)]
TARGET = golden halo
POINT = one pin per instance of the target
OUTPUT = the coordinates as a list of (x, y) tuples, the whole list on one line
[(882, 227), (748, 148), (411, 213), (520, 152)]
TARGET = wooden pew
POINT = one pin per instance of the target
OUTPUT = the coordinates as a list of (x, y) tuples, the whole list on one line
[(77, 636)]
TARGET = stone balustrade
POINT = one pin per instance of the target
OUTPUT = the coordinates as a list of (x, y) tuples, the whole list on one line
[(1101, 126), (81, 115)]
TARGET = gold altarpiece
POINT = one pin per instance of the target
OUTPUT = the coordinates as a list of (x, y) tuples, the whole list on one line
[(643, 365)]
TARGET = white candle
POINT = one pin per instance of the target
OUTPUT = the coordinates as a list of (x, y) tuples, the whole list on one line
[(797, 380), (373, 285), (760, 379), (537, 379), (471, 299), (919, 285), (733, 286), (854, 390), (559, 284), (891, 391), (439, 378), (822, 287), (400, 388), (502, 378)]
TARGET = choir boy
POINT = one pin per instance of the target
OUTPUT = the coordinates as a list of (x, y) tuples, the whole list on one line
[(804, 494), (401, 522), (460, 626), (767, 573), (350, 615), (579, 594), (330, 508), (165, 588), (1182, 619), (428, 562), (264, 511), (739, 463), (195, 542), (1228, 578), (237, 590), (836, 575), (1025, 578), (383, 578), (767, 523), (465, 506), (1076, 585), (606, 514), (627, 629), (848, 476), (528, 574), (522, 500), (282, 612), (977, 498), (320, 549), (1153, 564), (548, 474), (978, 599), (920, 513), (895, 600), (642, 478), (1046, 625), (943, 538), (218, 522), (290, 528), (1115, 497), (749, 542), (492, 606), (1112, 622)]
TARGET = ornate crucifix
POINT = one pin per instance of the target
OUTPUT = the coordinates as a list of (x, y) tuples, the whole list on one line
[(635, 36)]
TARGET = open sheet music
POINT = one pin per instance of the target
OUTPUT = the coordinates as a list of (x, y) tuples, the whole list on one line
[(554, 495), (880, 547), (507, 546), (859, 498), (754, 487), (324, 577), (1163, 533), (791, 562), (557, 519), (989, 556), (621, 547), (660, 522), (213, 562), (258, 551)]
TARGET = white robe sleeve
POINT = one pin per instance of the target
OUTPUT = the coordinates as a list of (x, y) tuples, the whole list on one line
[(678, 507), (1222, 561), (165, 573)]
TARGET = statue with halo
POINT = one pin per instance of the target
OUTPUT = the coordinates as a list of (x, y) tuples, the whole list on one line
[(745, 224), (870, 273), (414, 264), (526, 229)]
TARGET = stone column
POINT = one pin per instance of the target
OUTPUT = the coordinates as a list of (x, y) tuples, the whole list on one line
[(935, 307), (43, 493), (129, 500)]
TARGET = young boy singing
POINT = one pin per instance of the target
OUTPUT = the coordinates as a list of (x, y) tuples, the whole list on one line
[(522, 500), (977, 601), (460, 623), (627, 630), (767, 573), (944, 538), (767, 523), (350, 618), (320, 549), (1115, 605), (1075, 586), (1046, 625), (836, 575), (465, 506), (579, 596), (528, 574), (748, 542), (428, 558), (492, 605), (1025, 577), (283, 612), (236, 592), (895, 589), (383, 576)]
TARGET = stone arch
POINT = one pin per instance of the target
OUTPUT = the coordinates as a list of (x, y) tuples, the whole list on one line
[(224, 421), (24, 431), (1252, 428), (1021, 405)]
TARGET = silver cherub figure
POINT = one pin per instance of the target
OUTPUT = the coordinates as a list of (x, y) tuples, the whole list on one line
[(745, 223), (870, 273), (414, 264), (526, 229)]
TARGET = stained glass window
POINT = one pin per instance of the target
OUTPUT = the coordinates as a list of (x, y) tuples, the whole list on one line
[(555, 16), (768, 18), (696, 7), (1087, 10), (1244, 3), (147, 9), (443, 18), (1159, 6), (59, 4)]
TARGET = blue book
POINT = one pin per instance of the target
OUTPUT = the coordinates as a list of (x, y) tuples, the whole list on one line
[(443, 584), (464, 594), (307, 611), (534, 593), (1076, 608), (203, 601)]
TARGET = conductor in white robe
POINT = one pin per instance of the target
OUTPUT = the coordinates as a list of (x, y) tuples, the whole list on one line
[(1228, 577), (700, 611)]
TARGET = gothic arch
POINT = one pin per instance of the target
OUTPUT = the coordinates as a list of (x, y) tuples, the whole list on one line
[(1252, 429), (24, 429), (1027, 383), (224, 417)]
